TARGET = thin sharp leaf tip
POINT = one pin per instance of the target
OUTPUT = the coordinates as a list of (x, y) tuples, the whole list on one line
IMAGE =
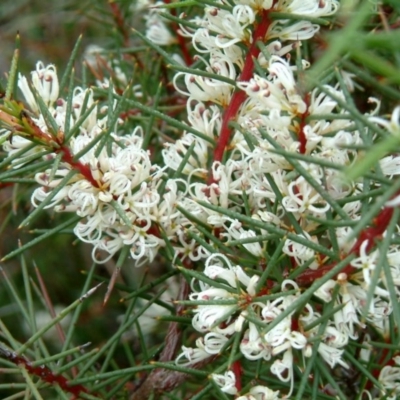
[(90, 292)]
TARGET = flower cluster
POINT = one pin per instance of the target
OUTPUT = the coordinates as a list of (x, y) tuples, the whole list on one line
[(113, 187), (248, 168), (219, 321)]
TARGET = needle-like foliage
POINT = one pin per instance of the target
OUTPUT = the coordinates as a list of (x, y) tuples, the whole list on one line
[(227, 169)]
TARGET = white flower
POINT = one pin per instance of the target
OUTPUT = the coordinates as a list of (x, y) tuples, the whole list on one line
[(233, 275), (322, 103), (254, 248), (302, 197), (191, 356), (209, 89), (301, 30), (93, 54), (378, 315), (331, 355), (393, 126), (367, 262), (253, 347), (226, 382), (45, 82), (343, 233), (283, 369), (269, 217), (278, 92), (260, 393), (157, 30), (117, 173), (354, 299), (206, 317), (348, 79), (214, 342), (139, 5), (123, 199), (229, 24), (257, 4), (41, 193), (366, 351), (311, 8), (300, 252), (335, 338), (206, 120), (324, 292), (390, 165), (282, 337), (173, 154), (390, 376)]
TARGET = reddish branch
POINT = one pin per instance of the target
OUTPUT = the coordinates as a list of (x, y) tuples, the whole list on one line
[(239, 97), (373, 232), (77, 165), (44, 373), (376, 371), (124, 29), (5, 184), (180, 38), (237, 370), (29, 129), (119, 21), (301, 134), (370, 234), (182, 44)]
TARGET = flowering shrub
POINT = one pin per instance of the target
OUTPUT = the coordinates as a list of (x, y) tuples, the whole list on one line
[(290, 269)]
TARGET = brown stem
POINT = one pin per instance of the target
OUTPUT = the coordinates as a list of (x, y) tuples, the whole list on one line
[(161, 379)]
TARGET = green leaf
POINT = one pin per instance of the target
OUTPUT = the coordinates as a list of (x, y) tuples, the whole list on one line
[(372, 157), (12, 78)]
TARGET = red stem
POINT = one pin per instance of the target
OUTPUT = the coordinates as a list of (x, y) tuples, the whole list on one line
[(309, 276), (376, 372), (182, 44), (180, 38), (375, 231), (5, 184), (237, 370), (119, 20), (77, 165), (302, 124), (238, 97), (379, 225), (44, 373)]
